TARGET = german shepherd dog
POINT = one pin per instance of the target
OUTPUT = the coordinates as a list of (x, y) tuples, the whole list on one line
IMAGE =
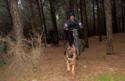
[(70, 57)]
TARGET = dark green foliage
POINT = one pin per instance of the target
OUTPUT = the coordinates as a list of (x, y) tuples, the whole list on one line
[(61, 7)]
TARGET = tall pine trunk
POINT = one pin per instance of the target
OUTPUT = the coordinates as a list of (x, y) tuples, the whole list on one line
[(40, 15), (17, 25), (104, 18), (66, 8), (77, 9), (101, 19), (84, 20), (8, 9), (114, 17), (53, 15), (94, 25), (72, 4), (31, 15), (123, 14), (108, 13), (42, 18)]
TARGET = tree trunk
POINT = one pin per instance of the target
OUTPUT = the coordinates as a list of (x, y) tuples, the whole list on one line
[(123, 14), (104, 18), (84, 20), (40, 15), (94, 27), (101, 20), (66, 9), (108, 13), (8, 9), (17, 25), (53, 15), (114, 17), (43, 22), (31, 15), (72, 4), (77, 9)]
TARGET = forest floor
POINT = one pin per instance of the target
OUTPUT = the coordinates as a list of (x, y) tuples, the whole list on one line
[(92, 63)]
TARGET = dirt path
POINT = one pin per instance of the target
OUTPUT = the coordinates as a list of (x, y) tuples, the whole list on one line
[(92, 62)]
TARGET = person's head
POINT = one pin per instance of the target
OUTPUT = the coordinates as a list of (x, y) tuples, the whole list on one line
[(72, 16)]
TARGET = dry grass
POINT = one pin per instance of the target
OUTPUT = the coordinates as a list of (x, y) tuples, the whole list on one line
[(91, 66), (25, 58)]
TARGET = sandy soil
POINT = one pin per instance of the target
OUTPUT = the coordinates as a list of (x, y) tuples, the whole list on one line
[(51, 66)]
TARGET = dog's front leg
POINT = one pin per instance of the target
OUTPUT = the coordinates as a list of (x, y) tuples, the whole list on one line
[(73, 69), (68, 66)]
